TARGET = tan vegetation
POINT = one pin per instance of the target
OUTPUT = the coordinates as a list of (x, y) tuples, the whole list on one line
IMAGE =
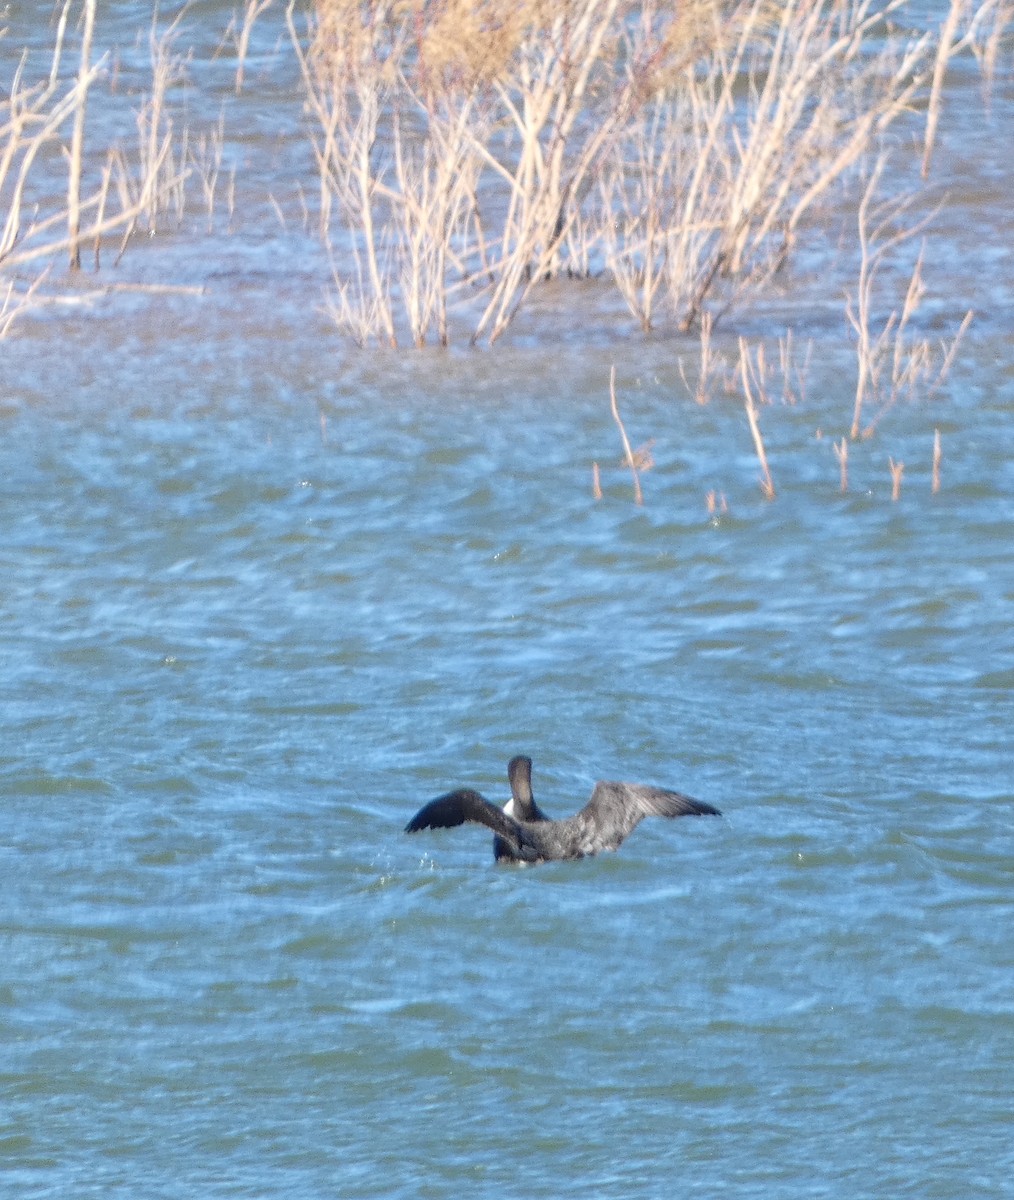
[(897, 471), (471, 152), (468, 151), (629, 457), (841, 453), (134, 187), (891, 363), (752, 373)]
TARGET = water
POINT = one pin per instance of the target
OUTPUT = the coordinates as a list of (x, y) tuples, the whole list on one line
[(242, 644)]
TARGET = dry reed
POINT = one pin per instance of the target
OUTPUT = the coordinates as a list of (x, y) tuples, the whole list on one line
[(252, 9), (794, 374), (701, 391), (681, 148), (629, 458), (205, 157), (989, 28), (891, 364), (77, 138), (976, 25), (841, 453), (469, 150), (751, 370), (33, 120), (897, 471)]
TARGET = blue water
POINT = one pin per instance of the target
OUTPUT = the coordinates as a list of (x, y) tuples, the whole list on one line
[(237, 657), (261, 596)]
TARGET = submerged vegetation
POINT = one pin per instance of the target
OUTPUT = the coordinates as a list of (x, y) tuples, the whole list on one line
[(468, 153)]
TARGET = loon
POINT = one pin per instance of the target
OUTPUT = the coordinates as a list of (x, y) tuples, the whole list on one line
[(524, 834)]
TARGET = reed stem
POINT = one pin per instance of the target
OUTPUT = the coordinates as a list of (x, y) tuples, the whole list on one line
[(746, 371), (897, 471), (638, 495), (77, 137), (841, 452)]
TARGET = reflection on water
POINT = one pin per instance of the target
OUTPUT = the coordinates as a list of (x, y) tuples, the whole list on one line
[(241, 646)]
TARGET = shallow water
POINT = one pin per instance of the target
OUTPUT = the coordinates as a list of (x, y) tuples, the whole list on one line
[(263, 595)]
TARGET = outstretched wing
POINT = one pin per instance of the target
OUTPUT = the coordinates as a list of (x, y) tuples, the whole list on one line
[(616, 808), (465, 805), (661, 802)]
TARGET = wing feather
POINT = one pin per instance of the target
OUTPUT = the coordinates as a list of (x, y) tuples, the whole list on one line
[(616, 808), (455, 808)]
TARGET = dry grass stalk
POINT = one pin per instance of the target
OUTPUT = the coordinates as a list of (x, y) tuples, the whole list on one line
[(998, 19), (945, 49), (649, 245), (817, 94), (716, 503), (162, 171), (979, 15), (705, 326), (949, 353), (435, 184), (251, 11), (841, 453), (936, 461), (543, 97), (348, 109), (596, 483), (206, 162), (701, 391), (32, 119), (752, 374), (897, 470), (16, 304), (682, 146), (891, 364), (793, 374), (629, 459), (77, 138)]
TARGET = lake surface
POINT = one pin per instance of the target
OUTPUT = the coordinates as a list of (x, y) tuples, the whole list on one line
[(262, 595)]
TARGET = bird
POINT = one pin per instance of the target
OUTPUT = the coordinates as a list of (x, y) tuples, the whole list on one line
[(523, 833)]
